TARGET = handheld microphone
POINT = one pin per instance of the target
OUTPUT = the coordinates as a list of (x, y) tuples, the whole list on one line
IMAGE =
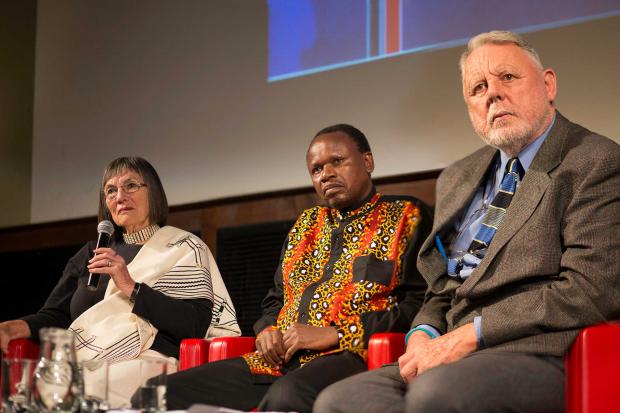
[(105, 230)]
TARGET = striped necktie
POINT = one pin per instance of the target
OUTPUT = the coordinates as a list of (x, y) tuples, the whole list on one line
[(492, 218)]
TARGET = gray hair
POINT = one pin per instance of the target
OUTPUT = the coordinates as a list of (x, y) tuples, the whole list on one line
[(499, 37)]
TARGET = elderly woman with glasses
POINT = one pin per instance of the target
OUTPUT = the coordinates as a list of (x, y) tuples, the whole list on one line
[(163, 284)]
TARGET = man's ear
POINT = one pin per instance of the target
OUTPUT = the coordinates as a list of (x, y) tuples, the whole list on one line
[(369, 162), (550, 84)]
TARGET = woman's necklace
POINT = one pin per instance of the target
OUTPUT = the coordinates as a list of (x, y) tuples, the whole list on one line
[(140, 237)]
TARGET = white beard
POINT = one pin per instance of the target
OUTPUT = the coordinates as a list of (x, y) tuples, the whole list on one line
[(511, 140)]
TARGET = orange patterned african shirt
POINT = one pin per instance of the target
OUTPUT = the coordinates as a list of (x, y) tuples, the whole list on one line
[(343, 270)]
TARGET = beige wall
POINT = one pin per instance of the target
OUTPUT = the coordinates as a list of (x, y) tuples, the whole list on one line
[(184, 85), (17, 38)]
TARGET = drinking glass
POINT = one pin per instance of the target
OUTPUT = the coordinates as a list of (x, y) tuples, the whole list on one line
[(17, 385), (57, 385), (153, 374), (94, 374)]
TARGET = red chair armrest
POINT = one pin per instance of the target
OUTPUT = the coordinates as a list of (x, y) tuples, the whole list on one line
[(22, 348), (228, 347), (193, 352), (592, 366), (385, 348), (593, 370)]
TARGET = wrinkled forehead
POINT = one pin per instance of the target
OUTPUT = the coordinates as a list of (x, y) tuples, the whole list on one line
[(495, 58), (120, 176)]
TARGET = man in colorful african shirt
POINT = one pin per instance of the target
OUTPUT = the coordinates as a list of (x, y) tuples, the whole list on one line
[(347, 270)]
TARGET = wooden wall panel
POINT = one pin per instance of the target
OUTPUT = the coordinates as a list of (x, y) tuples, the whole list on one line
[(424, 190), (252, 212), (49, 235), (207, 217)]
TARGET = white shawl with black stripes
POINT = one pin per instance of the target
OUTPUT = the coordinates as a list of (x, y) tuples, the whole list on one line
[(174, 262)]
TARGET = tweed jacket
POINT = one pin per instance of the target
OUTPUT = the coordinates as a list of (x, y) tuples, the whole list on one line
[(553, 266)]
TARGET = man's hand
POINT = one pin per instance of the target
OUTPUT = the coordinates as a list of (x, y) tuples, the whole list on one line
[(270, 345), (417, 339), (423, 353), (304, 337), (10, 330)]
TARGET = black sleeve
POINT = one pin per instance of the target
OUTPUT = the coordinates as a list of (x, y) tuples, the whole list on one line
[(56, 312), (410, 293), (274, 300), (176, 318)]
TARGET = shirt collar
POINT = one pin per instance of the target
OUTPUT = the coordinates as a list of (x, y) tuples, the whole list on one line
[(527, 154), (366, 199), (367, 203)]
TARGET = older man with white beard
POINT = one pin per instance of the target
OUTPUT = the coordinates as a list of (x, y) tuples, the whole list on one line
[(523, 253)]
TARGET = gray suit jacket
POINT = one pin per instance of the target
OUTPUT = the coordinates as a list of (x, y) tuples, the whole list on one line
[(554, 264)]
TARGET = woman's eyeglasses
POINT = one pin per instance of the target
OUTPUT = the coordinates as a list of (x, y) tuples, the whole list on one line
[(130, 187)]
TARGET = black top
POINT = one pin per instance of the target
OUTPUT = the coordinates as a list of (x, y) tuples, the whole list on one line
[(175, 319)]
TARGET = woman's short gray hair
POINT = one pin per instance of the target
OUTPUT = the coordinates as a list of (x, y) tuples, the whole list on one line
[(498, 37)]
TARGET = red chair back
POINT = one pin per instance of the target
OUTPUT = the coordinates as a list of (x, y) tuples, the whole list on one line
[(593, 370), (22, 348), (385, 348), (193, 352)]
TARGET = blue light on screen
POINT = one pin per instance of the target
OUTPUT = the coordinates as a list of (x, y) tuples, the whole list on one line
[(310, 36)]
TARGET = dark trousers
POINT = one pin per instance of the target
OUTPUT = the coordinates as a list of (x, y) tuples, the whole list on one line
[(480, 383), (229, 383)]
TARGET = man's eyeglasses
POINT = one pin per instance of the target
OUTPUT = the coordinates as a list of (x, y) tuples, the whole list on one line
[(130, 187)]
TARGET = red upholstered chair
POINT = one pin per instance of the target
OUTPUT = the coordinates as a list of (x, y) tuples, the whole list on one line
[(385, 348), (592, 364), (196, 351), (22, 348), (593, 370)]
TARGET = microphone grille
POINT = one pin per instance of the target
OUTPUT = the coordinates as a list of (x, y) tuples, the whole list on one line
[(105, 227)]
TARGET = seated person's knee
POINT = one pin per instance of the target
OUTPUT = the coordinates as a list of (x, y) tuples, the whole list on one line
[(431, 392), (330, 399), (287, 395)]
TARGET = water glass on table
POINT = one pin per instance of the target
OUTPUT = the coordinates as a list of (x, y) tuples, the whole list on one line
[(153, 374), (95, 386), (16, 386), (56, 382)]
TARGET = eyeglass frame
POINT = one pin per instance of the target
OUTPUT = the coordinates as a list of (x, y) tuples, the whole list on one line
[(124, 187)]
